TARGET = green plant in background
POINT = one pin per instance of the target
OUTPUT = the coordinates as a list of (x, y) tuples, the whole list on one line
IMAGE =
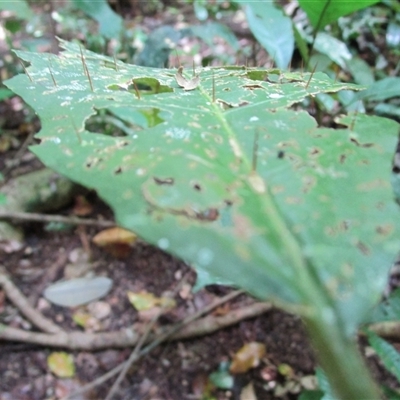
[(218, 170)]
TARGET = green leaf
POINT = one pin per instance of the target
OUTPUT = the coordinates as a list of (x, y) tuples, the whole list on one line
[(19, 8), (61, 364), (209, 31), (324, 12), (389, 356), (387, 310), (360, 70), (393, 35), (335, 49), (273, 29), (324, 385), (221, 378), (111, 24), (5, 94), (390, 394), (384, 89), (229, 178), (311, 395)]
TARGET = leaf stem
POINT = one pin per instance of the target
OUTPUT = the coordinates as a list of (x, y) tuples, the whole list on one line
[(340, 358)]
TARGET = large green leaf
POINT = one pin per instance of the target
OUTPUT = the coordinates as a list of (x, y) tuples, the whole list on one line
[(227, 177), (324, 12)]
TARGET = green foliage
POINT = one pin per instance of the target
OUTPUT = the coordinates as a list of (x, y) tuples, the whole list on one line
[(322, 13), (388, 310), (389, 356), (19, 8), (110, 23), (273, 30), (229, 178)]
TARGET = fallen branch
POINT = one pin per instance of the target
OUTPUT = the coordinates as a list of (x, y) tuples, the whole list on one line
[(26, 216), (22, 303), (86, 341)]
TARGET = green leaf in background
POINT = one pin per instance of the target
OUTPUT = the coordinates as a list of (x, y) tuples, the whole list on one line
[(5, 94), (335, 49), (222, 378), (393, 35), (311, 395), (387, 110), (383, 89), (361, 71), (389, 356), (110, 23), (390, 394), (388, 310), (324, 385), (273, 30), (209, 31), (19, 8), (324, 12)]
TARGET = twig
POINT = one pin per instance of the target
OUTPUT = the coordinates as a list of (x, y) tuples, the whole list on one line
[(54, 218), (22, 303), (87, 341)]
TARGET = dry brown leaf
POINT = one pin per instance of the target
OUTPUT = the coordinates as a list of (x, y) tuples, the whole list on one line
[(247, 357), (117, 241), (82, 207)]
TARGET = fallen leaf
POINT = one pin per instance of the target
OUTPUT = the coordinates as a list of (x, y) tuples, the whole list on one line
[(145, 301), (247, 357), (248, 392), (81, 318), (76, 292), (286, 370), (117, 241), (61, 364), (99, 309), (82, 207), (222, 378)]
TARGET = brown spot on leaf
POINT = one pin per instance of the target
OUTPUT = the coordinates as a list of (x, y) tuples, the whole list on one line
[(163, 181), (315, 152), (359, 144), (363, 248), (385, 229)]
